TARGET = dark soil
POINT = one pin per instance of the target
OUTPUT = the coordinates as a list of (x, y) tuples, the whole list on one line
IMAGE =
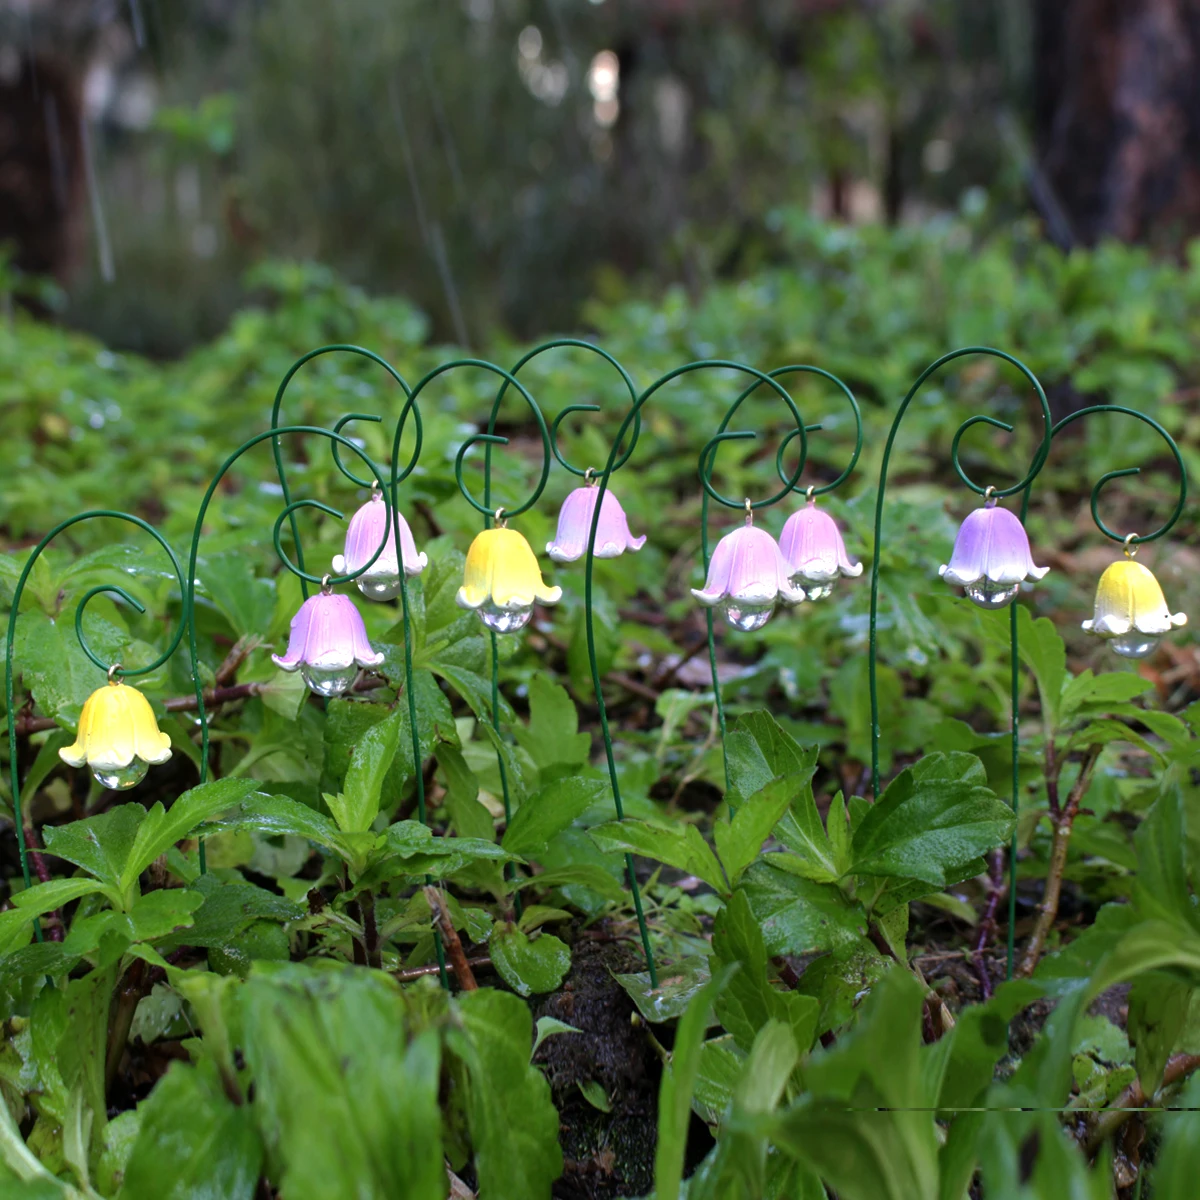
[(605, 1154)]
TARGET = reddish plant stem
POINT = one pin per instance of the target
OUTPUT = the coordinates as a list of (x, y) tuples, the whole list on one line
[(133, 987), (987, 927), (54, 925), (1106, 1123), (1063, 818), (450, 938)]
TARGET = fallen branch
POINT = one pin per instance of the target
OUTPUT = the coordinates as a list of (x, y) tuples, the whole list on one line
[(454, 947)]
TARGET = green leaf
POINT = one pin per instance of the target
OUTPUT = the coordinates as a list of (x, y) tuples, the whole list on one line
[(1042, 650), (162, 829), (193, 1141), (244, 600), (326, 1049), (740, 839), (230, 907), (1158, 1011), (933, 817), (840, 981), (278, 816), (1088, 693), (549, 811), (717, 1075), (749, 1001), (550, 1027), (669, 998), (678, 1084), (797, 915), (100, 845), (357, 805), (1178, 1164), (470, 817), (512, 1120), (159, 913), (553, 739), (683, 848), (33, 902), (529, 965), (758, 750), (1161, 888)]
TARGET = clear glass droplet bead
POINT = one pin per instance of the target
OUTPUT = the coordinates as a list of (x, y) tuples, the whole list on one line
[(1134, 644), (378, 587), (504, 620), (818, 591), (121, 779), (747, 615), (987, 594), (329, 681)]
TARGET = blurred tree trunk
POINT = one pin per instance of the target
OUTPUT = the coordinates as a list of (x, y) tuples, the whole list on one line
[(1117, 115)]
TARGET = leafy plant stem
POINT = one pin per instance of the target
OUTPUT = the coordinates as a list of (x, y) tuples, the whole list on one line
[(1106, 1123), (451, 940), (133, 988), (1064, 819), (937, 1019), (366, 904), (53, 922)]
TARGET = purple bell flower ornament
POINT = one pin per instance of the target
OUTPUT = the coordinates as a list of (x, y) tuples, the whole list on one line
[(328, 643), (991, 557)]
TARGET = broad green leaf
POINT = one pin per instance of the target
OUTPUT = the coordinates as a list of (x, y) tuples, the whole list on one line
[(717, 1075), (100, 845), (677, 984), (683, 848), (1043, 652), (1087, 694), (160, 829), (1178, 1165), (678, 1084), (840, 981), (357, 805), (749, 1000), (512, 1120), (552, 738), (326, 1049), (1158, 1011), (347, 722), (280, 815), (1161, 889), (740, 839), (933, 817), (549, 811), (229, 907), (34, 902), (798, 915), (193, 1141), (550, 1027), (470, 817), (529, 965), (758, 750), (160, 913), (229, 583)]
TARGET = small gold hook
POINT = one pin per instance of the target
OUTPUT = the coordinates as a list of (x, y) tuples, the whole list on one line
[(326, 586), (112, 671), (749, 511), (987, 492), (589, 477), (501, 520), (808, 494), (1130, 547)]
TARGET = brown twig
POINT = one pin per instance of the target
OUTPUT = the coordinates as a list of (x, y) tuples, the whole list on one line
[(411, 973), (1107, 1122), (133, 987), (454, 947), (1063, 820)]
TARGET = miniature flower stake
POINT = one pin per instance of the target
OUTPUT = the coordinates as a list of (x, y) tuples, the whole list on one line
[(991, 557), (1131, 611), (328, 643), (575, 524), (367, 529), (502, 580), (118, 737), (747, 576), (814, 551)]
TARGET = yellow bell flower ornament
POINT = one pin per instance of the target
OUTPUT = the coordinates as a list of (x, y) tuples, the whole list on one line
[(118, 737), (502, 580), (1131, 610)]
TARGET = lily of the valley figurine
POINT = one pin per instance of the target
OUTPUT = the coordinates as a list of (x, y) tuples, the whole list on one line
[(814, 551), (747, 576), (575, 525), (118, 736), (1131, 611), (502, 579), (328, 643), (991, 557), (381, 581)]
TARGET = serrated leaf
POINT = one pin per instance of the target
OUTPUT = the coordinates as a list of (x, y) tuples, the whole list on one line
[(549, 811), (357, 805), (933, 817), (683, 848), (798, 915), (553, 739), (677, 984)]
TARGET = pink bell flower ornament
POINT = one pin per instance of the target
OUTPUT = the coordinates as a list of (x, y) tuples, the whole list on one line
[(613, 537), (328, 644), (991, 557), (815, 553), (747, 576), (367, 529)]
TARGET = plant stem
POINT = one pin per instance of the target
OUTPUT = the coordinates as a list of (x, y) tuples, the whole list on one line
[(133, 988), (987, 927), (1064, 819), (366, 904), (454, 946), (1178, 1067)]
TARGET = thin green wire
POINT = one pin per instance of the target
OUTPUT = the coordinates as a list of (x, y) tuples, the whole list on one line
[(1039, 460)]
